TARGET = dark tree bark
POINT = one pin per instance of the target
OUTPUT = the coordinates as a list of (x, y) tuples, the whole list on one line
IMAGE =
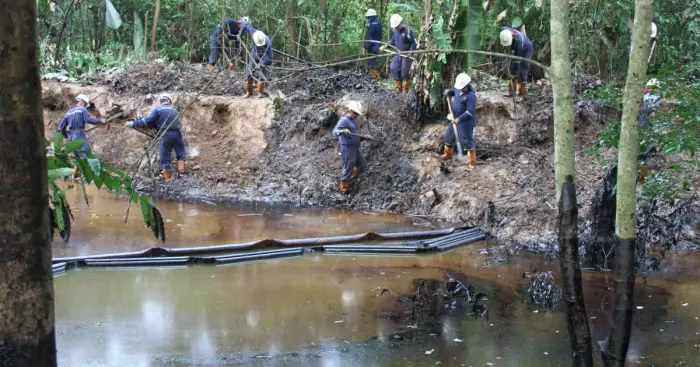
[(26, 281), (292, 23), (154, 31), (564, 168), (615, 349), (602, 235), (422, 73)]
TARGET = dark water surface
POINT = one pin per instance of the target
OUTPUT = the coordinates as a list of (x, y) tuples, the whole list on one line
[(99, 228), (329, 310)]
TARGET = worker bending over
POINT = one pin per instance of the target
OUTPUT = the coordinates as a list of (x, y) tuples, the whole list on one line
[(463, 115), (260, 58), (519, 70), (353, 161), (373, 38), (72, 126), (164, 119), (403, 40), (224, 38)]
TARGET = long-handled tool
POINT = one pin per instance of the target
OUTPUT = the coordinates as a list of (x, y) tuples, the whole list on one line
[(460, 153), (366, 137), (109, 119)]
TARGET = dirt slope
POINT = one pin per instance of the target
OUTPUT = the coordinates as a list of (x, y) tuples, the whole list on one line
[(277, 149)]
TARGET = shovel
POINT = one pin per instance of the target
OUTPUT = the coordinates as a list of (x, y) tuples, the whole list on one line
[(366, 137), (460, 153)]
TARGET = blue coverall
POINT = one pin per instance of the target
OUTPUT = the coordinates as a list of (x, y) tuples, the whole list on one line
[(349, 148), (230, 31), (72, 126), (522, 46), (404, 41), (650, 104), (261, 57), (374, 33), (164, 117), (464, 108)]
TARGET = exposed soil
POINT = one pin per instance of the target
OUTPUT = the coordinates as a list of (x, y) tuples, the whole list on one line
[(280, 149)]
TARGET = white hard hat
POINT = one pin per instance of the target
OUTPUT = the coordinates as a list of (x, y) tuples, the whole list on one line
[(82, 97), (395, 20), (259, 38), (165, 96), (654, 30), (506, 38), (653, 82), (355, 106), (371, 13), (462, 81), (245, 19)]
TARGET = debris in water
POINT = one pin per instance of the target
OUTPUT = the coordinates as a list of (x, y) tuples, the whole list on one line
[(339, 321), (684, 304), (429, 352), (458, 340), (489, 363), (412, 326), (543, 290), (250, 215), (640, 307), (546, 353)]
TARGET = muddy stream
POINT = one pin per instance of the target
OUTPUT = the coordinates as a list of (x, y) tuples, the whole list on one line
[(329, 310)]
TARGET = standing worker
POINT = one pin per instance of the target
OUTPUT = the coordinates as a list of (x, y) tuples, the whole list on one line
[(164, 119), (650, 102), (464, 108), (403, 40), (261, 57), (72, 126), (224, 38), (373, 38), (519, 70), (353, 161)]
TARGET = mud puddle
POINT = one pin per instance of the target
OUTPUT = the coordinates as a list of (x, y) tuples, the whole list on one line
[(326, 310), (99, 228)]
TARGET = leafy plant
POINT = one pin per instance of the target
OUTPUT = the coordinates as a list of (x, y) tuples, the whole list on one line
[(63, 158)]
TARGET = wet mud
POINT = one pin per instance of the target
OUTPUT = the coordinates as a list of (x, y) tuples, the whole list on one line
[(327, 310)]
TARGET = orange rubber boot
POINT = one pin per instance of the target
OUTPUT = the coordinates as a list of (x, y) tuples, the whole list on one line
[(167, 175), (248, 89), (344, 186), (406, 86), (399, 86), (181, 167), (375, 74), (261, 89), (472, 159), (449, 152)]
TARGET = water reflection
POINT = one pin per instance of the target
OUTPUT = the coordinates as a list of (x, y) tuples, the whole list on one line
[(329, 308), (100, 228)]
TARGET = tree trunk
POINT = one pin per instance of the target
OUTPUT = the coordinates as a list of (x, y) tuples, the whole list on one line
[(27, 335), (615, 351), (318, 28), (577, 322), (455, 61), (63, 28), (155, 26), (292, 23), (422, 72)]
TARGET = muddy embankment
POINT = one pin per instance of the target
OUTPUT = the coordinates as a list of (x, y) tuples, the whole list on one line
[(279, 149)]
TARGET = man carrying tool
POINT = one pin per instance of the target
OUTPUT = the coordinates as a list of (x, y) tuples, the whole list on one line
[(519, 70), (372, 39), (224, 38), (464, 108), (353, 161), (164, 118), (72, 126), (261, 57), (403, 40)]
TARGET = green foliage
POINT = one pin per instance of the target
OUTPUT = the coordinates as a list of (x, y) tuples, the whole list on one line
[(61, 157)]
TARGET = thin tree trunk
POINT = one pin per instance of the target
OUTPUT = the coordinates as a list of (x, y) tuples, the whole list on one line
[(145, 35), (318, 27), (63, 28), (615, 351), (27, 336), (577, 322), (155, 26), (422, 71), (292, 23)]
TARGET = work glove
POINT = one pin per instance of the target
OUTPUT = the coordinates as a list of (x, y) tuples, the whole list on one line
[(449, 93), (381, 49), (129, 124), (450, 117), (345, 131), (455, 121), (364, 50)]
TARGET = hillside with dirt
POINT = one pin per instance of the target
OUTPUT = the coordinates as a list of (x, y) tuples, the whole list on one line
[(280, 149)]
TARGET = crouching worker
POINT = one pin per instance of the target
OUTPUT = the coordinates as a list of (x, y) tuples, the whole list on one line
[(463, 115), (261, 57), (164, 119), (353, 161)]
